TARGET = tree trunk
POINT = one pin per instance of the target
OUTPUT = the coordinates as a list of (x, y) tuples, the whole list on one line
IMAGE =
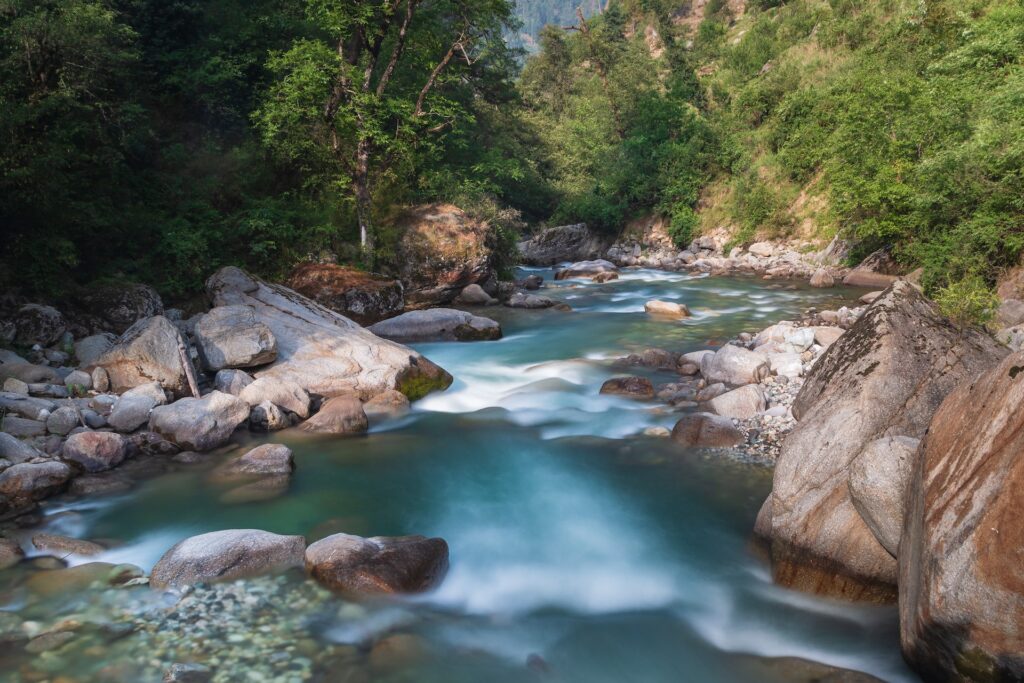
[(364, 201)]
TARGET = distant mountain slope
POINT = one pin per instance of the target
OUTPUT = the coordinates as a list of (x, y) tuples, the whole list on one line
[(536, 14)]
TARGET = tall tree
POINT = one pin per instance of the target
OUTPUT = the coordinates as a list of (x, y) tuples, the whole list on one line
[(377, 81)]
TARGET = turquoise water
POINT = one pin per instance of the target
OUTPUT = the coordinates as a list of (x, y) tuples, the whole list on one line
[(596, 554)]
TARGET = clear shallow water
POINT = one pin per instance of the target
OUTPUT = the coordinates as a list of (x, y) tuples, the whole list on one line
[(612, 557)]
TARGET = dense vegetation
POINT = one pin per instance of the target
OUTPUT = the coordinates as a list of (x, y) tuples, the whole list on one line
[(156, 140)]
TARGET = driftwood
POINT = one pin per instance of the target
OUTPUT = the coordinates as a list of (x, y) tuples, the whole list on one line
[(190, 373)]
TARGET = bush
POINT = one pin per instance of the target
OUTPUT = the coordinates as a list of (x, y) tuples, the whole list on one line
[(683, 225), (968, 302)]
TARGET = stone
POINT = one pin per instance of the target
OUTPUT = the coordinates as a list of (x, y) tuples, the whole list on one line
[(199, 424), (15, 386), (826, 336), (62, 421), (822, 278), (762, 249), (22, 428), (440, 251), (338, 415), (283, 393), (360, 296), (735, 366), (78, 380), (711, 392), (870, 297), (531, 282), (231, 337), (147, 352), (586, 269), (667, 309), (743, 403), (63, 546), (267, 417), (706, 430), (37, 324), (90, 348), (133, 407), (15, 450), (29, 373), (630, 387), (961, 573), (100, 379), (878, 271), (10, 555), (119, 305), (95, 451), (474, 295), (561, 243), (23, 484), (380, 565), (1010, 313), (321, 351), (386, 405), (437, 324), (696, 357), (801, 338), (187, 673), (786, 364), (884, 377), (530, 301), (606, 276), (226, 555), (231, 381), (879, 483), (267, 460)]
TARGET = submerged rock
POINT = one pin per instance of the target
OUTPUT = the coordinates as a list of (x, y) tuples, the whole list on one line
[(961, 556), (338, 415), (706, 430), (226, 555), (667, 309), (631, 387), (586, 269), (321, 351), (270, 459), (886, 376), (437, 324), (356, 565)]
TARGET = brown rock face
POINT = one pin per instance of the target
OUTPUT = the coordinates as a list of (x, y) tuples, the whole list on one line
[(403, 564), (884, 377), (877, 270), (226, 555), (704, 430), (364, 297), (630, 387), (961, 558), (440, 252)]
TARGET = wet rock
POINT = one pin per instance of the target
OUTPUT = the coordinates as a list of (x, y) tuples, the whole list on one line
[(531, 282), (711, 391), (743, 403), (586, 269), (99, 485), (119, 305), (95, 451), (232, 381), (10, 555), (356, 565), (363, 297), (879, 482), (231, 337), (24, 484), (63, 546), (338, 415), (188, 673), (531, 301), (267, 417), (283, 393), (474, 295), (437, 324), (961, 576), (631, 387), (266, 460), (15, 450), (226, 555), (706, 430), (667, 309), (388, 404), (147, 352), (822, 278), (321, 351), (561, 243), (132, 408), (885, 376), (199, 424), (734, 365), (36, 324)]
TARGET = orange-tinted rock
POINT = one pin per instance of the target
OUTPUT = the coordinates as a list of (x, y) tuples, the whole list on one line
[(364, 297), (356, 565)]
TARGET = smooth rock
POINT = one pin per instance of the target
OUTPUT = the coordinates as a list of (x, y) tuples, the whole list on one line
[(231, 337), (22, 428), (630, 387), (199, 424), (879, 483), (13, 385), (474, 295), (100, 379), (24, 484), (826, 336), (530, 301), (132, 408), (586, 269), (878, 271), (63, 546), (385, 405), (743, 403), (355, 565), (822, 278), (10, 555), (734, 365), (90, 348), (227, 555), (266, 460), (267, 417), (147, 352), (29, 373), (78, 380), (667, 309), (62, 421), (437, 324), (338, 415), (15, 450), (706, 430), (95, 451), (281, 392), (232, 381)]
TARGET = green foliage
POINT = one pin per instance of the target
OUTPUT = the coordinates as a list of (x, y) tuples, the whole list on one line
[(683, 225), (968, 301)]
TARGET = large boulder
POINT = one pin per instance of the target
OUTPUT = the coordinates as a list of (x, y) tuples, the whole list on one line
[(734, 365), (338, 415), (743, 403), (355, 565), (199, 424), (961, 557), (116, 306), (879, 481), (231, 337), (23, 484), (15, 450), (561, 243), (321, 351), (437, 324), (87, 350), (147, 352), (270, 459), (132, 408), (227, 555), (440, 251), (37, 324), (884, 377), (705, 430), (878, 271), (283, 393), (95, 451), (364, 297), (589, 269)]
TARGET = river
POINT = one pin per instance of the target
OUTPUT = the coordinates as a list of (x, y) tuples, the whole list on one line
[(578, 545)]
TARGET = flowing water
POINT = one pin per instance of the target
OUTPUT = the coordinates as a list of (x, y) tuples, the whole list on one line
[(593, 553)]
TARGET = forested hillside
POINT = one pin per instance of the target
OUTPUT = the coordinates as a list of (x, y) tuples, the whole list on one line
[(534, 15)]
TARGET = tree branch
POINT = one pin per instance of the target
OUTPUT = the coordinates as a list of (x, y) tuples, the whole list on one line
[(437, 72), (396, 53)]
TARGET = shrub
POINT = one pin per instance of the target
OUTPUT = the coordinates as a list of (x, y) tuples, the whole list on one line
[(968, 301)]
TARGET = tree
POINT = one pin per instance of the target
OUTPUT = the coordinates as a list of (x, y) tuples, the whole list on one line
[(375, 83)]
